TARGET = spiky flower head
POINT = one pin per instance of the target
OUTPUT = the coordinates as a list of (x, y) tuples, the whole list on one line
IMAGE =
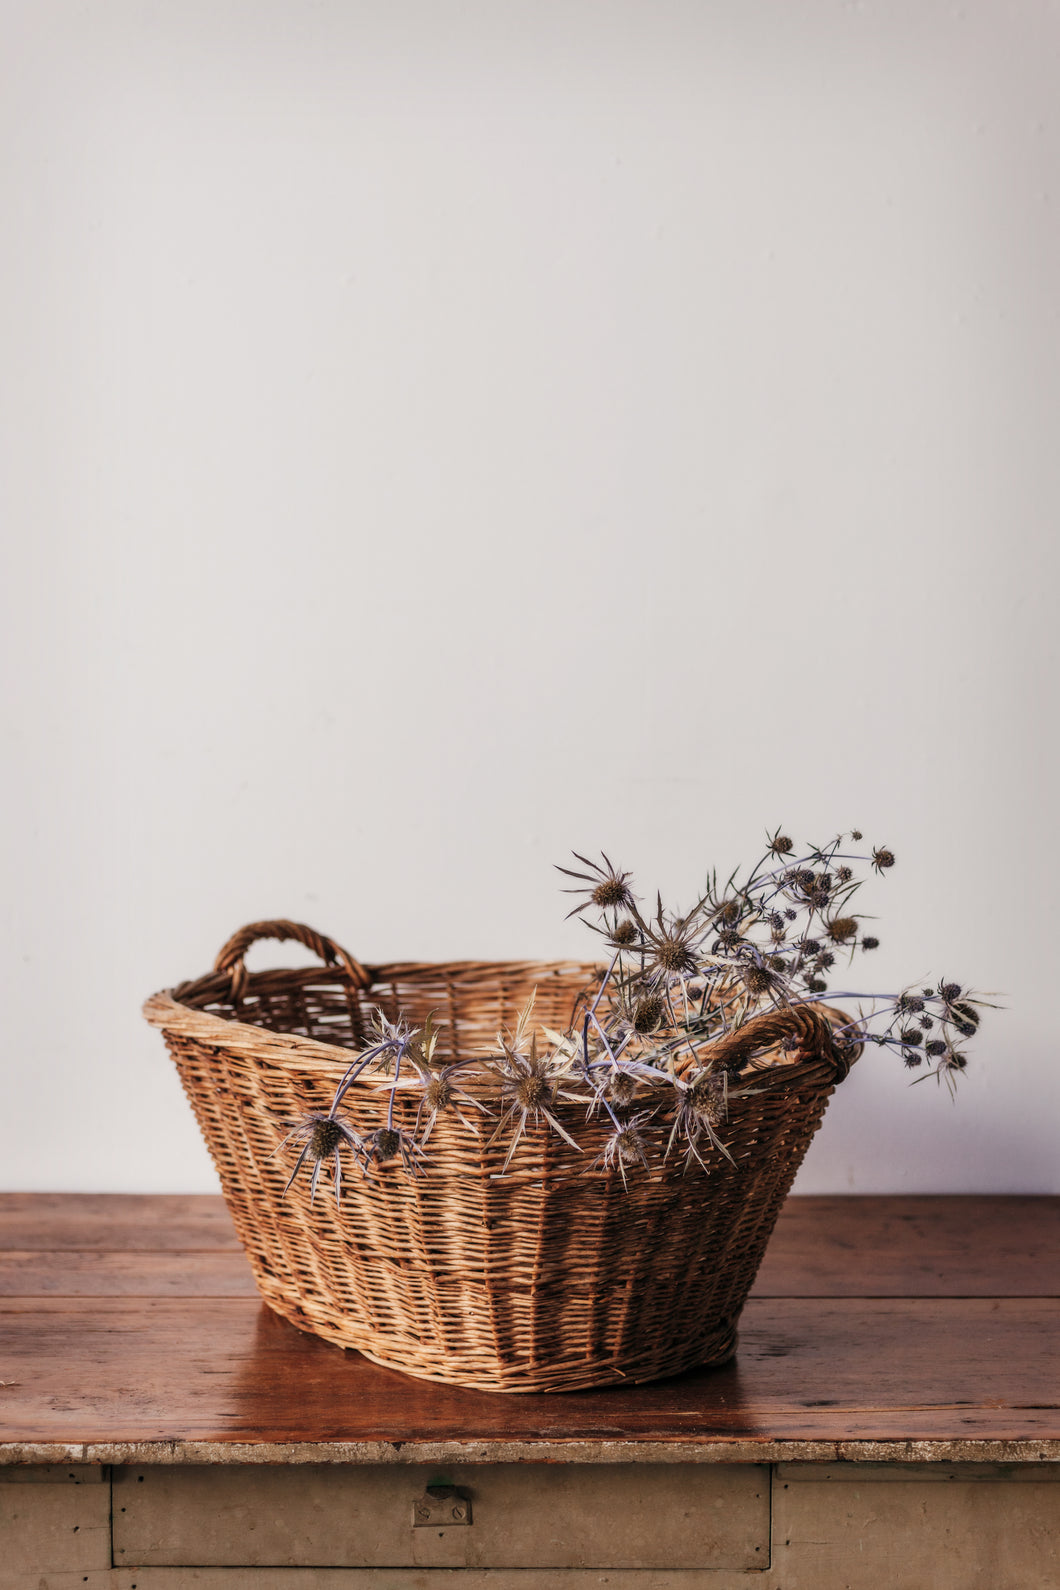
[(326, 1136), (842, 928), (384, 1144), (322, 1136), (758, 980), (621, 1089), (648, 1012), (707, 1099), (882, 858), (671, 951), (604, 886)]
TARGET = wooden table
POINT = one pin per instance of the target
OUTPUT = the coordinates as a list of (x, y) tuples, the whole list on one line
[(892, 1420)]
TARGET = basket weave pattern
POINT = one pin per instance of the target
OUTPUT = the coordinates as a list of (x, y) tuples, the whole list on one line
[(551, 1277)]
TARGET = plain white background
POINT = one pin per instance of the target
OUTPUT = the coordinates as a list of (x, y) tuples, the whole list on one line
[(440, 434)]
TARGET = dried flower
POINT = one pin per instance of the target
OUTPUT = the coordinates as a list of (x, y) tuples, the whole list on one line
[(607, 889), (621, 1088), (439, 1094), (670, 949), (625, 1147), (390, 1142), (648, 1013), (323, 1136), (882, 858), (758, 979), (842, 928), (529, 1089)]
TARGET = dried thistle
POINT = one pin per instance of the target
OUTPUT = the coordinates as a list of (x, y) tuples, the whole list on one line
[(388, 1143), (606, 888), (625, 1147), (323, 1136), (530, 1087)]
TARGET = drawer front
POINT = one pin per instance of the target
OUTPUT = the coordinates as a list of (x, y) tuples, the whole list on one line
[(904, 1528), (53, 1517), (628, 1516)]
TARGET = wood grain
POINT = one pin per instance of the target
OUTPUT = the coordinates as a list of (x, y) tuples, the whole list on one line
[(118, 1222), (228, 1370), (962, 1246), (97, 1273)]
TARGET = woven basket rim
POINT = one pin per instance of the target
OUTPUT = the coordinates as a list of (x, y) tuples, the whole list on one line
[(168, 1011)]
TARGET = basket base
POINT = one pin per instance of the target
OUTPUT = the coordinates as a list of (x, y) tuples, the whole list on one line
[(709, 1352)]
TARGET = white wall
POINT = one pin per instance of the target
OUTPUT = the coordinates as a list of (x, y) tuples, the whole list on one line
[(442, 433)]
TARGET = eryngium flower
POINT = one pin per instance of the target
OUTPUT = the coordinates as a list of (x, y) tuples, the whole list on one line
[(625, 1147), (605, 887), (323, 1137)]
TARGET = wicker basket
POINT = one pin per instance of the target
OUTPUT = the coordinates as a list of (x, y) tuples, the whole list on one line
[(552, 1277)]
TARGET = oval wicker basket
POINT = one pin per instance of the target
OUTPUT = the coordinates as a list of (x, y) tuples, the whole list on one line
[(551, 1277)]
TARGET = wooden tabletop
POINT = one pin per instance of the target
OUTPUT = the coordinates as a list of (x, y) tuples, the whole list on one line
[(880, 1329)]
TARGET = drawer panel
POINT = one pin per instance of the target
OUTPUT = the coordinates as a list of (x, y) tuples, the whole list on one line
[(897, 1529), (53, 1519), (627, 1516)]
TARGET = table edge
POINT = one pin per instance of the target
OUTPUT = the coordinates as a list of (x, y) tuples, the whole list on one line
[(712, 1450)]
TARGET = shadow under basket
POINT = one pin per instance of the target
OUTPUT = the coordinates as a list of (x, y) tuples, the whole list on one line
[(551, 1277)]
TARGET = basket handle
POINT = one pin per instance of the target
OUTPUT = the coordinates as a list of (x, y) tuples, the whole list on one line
[(808, 1023), (231, 956)]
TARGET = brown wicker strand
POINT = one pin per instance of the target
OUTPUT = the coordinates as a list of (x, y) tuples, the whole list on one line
[(808, 1023), (232, 955)]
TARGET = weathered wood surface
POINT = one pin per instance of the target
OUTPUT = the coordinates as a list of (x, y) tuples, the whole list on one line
[(825, 1526), (227, 1369), (914, 1247), (117, 1222), (129, 1329)]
